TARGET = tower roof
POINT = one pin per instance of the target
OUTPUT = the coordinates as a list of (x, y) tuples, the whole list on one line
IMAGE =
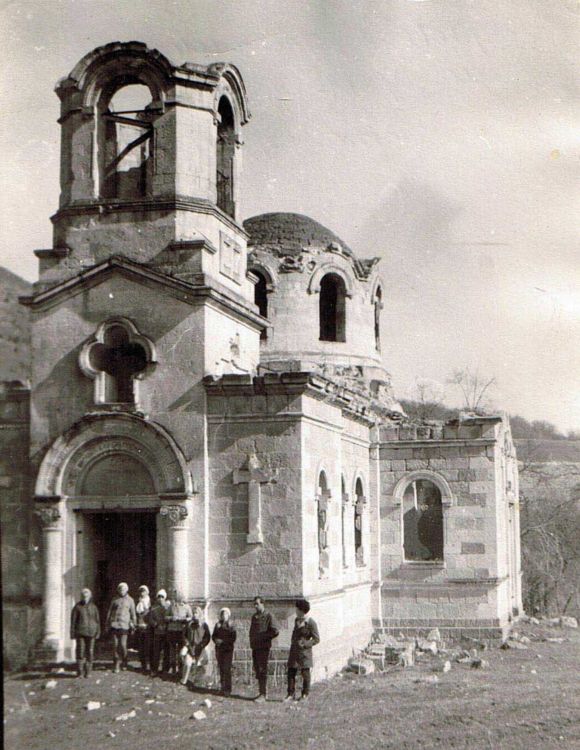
[(289, 234)]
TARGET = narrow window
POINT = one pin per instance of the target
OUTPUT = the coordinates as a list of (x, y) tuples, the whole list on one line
[(423, 522), (261, 298), (345, 499), (332, 310), (378, 305), (226, 147), (125, 142), (322, 499), (358, 523)]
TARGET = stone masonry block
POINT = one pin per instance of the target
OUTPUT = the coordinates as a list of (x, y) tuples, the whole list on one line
[(472, 548)]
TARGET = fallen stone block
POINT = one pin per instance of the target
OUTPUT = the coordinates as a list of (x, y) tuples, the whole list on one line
[(360, 666), (124, 717), (430, 679), (207, 703), (525, 639), (434, 635), (427, 646), (198, 715), (478, 663), (555, 640), (568, 622), (407, 657), (50, 685), (515, 645), (93, 705)]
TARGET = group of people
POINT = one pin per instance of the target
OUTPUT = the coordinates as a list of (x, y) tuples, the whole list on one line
[(172, 637)]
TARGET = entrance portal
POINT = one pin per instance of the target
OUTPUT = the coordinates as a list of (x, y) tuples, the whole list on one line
[(118, 547)]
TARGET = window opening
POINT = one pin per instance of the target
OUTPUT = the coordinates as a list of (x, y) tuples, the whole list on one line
[(126, 142), (261, 298), (378, 306), (358, 523), (121, 360), (423, 522), (322, 511), (226, 148), (332, 310)]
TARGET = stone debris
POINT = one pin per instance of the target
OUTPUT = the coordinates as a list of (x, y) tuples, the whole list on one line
[(434, 635), (111, 734), (478, 663), (129, 715), (50, 685), (427, 646), (359, 665), (431, 679), (568, 622), (64, 697), (198, 715), (555, 640), (207, 703), (150, 700), (93, 705), (514, 644), (97, 682), (525, 639)]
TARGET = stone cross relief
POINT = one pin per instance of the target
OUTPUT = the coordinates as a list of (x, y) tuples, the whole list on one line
[(322, 500), (254, 476)]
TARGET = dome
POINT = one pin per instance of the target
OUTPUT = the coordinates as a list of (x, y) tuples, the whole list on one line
[(286, 234)]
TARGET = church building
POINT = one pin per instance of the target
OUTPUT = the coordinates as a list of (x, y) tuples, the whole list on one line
[(209, 406)]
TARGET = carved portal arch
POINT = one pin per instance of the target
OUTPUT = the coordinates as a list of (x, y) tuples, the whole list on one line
[(72, 457)]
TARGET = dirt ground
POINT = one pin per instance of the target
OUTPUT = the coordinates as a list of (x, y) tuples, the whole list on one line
[(528, 698)]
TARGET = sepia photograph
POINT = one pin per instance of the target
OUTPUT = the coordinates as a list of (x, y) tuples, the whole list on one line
[(290, 374)]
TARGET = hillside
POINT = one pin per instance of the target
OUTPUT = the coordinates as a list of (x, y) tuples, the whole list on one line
[(14, 328)]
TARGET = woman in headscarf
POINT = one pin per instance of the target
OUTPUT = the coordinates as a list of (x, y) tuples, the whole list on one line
[(143, 632), (224, 636), (197, 637)]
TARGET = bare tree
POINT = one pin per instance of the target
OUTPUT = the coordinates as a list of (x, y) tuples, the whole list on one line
[(428, 398), (474, 388)]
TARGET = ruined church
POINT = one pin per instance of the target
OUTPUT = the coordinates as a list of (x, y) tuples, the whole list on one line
[(209, 406)]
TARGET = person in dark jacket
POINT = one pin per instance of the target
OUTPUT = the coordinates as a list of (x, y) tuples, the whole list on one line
[(224, 636), (121, 619), (195, 640), (304, 636), (158, 624), (85, 627), (263, 630)]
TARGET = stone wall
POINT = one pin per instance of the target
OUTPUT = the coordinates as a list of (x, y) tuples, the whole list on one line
[(20, 551), (465, 592)]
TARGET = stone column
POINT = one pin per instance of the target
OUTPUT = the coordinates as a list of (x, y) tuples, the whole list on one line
[(176, 518), (52, 543)]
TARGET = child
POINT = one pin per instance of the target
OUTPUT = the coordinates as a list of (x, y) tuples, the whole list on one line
[(304, 637), (86, 628), (196, 639), (224, 637), (143, 633), (177, 618)]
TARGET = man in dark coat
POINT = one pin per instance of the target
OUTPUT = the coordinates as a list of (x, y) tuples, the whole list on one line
[(85, 627), (262, 632), (304, 636), (224, 637)]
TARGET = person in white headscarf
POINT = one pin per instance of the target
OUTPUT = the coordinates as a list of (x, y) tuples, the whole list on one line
[(224, 636), (143, 632), (196, 638)]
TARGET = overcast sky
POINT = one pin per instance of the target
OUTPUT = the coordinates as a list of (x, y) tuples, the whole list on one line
[(438, 134)]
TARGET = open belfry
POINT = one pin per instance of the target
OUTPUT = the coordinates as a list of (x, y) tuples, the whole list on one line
[(209, 407)]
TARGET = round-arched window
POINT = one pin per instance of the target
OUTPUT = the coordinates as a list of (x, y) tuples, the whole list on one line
[(423, 522)]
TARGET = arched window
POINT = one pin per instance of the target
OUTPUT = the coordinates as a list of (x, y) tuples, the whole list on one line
[(322, 499), (423, 522), (226, 148), (332, 309), (378, 306), (125, 140), (261, 298), (358, 522), (345, 499)]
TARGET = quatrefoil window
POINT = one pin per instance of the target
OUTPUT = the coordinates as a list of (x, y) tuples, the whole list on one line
[(116, 358)]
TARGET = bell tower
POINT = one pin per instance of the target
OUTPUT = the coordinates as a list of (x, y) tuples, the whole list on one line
[(150, 167)]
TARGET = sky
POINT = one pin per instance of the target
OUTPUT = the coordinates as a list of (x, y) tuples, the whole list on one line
[(437, 134)]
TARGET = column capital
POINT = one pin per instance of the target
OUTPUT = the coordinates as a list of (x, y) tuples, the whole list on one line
[(49, 516), (175, 515)]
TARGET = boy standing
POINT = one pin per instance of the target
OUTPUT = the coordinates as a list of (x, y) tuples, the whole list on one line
[(85, 627), (262, 632), (304, 636), (121, 619)]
